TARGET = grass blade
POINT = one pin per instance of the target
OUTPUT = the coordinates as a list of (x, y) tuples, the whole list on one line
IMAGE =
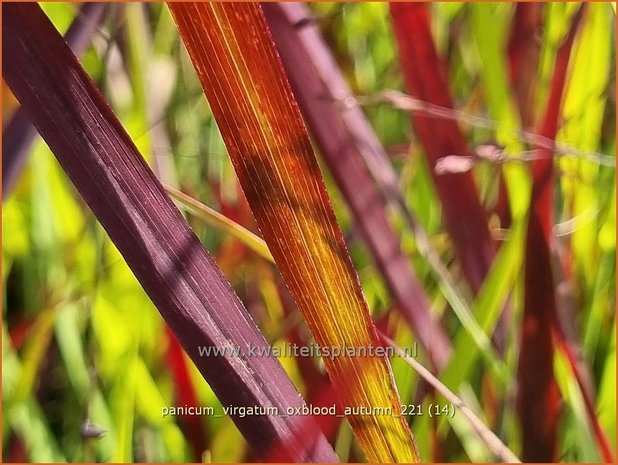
[(523, 53), (424, 75), (538, 396), (245, 85), (222, 222), (491, 440), (167, 258), (487, 306)]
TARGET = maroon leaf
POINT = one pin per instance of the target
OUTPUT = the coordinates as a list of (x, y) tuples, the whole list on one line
[(425, 79), (167, 258), (538, 396), (524, 50)]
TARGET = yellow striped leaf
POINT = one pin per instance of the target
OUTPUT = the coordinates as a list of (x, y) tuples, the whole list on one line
[(245, 84)]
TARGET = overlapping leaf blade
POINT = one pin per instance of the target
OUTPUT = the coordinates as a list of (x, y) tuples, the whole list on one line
[(166, 257), (426, 80), (245, 85)]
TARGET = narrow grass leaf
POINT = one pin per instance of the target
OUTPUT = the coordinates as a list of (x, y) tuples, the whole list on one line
[(425, 79), (538, 401), (523, 57), (222, 222), (167, 258), (261, 125), (487, 306), (492, 441), (490, 41)]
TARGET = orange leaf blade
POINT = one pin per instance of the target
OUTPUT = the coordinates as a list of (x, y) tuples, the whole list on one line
[(244, 82)]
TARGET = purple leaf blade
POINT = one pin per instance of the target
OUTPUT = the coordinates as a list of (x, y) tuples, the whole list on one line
[(167, 258)]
